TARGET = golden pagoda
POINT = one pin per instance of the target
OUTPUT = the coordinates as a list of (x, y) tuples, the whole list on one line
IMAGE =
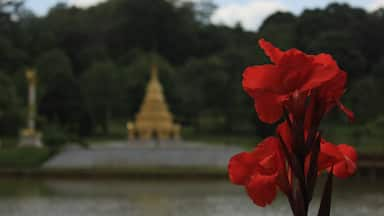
[(154, 119)]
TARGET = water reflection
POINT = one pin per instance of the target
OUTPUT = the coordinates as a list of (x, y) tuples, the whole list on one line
[(166, 198)]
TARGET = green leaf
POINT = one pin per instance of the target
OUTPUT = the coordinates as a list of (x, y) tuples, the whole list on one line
[(325, 205), (312, 172)]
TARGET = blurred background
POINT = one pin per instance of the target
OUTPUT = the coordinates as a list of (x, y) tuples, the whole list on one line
[(93, 61)]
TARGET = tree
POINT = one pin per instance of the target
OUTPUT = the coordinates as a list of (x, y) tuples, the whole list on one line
[(64, 104), (367, 106), (342, 47), (12, 58), (9, 8), (237, 106), (50, 65), (335, 17), (10, 112), (200, 85), (71, 30), (61, 100), (204, 10), (372, 34), (100, 85), (11, 55), (280, 29), (378, 69), (200, 63)]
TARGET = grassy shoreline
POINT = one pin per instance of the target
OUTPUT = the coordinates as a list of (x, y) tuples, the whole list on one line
[(24, 157), (120, 173), (142, 173)]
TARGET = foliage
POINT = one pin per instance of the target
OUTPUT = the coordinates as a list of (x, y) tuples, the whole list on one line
[(55, 137), (61, 99), (93, 64), (10, 113), (291, 161), (99, 84), (23, 157)]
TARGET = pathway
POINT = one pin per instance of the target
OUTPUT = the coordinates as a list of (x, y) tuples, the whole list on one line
[(120, 154)]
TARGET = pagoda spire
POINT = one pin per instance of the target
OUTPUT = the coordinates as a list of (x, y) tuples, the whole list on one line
[(154, 120), (154, 72)]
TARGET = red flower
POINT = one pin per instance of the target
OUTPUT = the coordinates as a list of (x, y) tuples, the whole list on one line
[(304, 87), (285, 82), (342, 157), (284, 131), (261, 171), (326, 97)]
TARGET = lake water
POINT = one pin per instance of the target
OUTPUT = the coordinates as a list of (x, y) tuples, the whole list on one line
[(23, 197)]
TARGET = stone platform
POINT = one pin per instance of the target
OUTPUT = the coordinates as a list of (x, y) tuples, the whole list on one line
[(143, 154)]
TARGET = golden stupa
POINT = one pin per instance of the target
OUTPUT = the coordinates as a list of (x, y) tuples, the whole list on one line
[(153, 119)]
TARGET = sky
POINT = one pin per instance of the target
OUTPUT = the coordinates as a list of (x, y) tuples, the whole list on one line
[(250, 13)]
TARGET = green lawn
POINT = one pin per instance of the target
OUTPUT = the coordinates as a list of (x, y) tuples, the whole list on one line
[(23, 157), (247, 142), (366, 138), (117, 131), (139, 171)]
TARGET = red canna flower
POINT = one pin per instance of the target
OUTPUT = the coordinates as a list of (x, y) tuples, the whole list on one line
[(305, 88), (261, 171), (342, 157), (284, 131), (325, 98), (287, 82)]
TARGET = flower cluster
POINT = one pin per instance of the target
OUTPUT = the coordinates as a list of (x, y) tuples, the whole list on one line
[(297, 90)]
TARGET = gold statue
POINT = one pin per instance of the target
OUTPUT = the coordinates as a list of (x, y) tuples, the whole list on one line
[(154, 119), (29, 136)]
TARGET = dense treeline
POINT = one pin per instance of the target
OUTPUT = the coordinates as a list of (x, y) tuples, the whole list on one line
[(93, 63)]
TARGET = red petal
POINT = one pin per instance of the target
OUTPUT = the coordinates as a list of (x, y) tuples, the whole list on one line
[(285, 132), (266, 147), (243, 165), (347, 167), (240, 168), (348, 151), (283, 183), (271, 51), (328, 156), (269, 155), (344, 169), (268, 108), (256, 81), (262, 189), (261, 77), (323, 69), (334, 89), (348, 112), (295, 68), (273, 162)]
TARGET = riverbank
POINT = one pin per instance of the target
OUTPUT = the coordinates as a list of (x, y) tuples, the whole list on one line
[(147, 173), (24, 158), (370, 170), (122, 154), (138, 160), (148, 197), (158, 173)]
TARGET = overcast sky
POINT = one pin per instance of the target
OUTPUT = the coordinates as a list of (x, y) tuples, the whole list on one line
[(250, 13)]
